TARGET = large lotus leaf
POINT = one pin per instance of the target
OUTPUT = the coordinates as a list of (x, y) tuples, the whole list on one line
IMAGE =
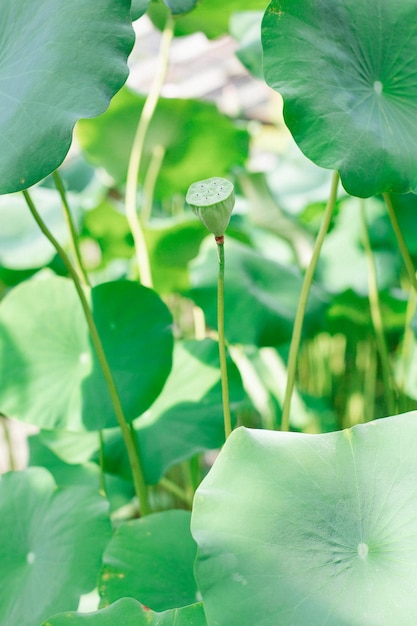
[(211, 17), (151, 560), (187, 418), (346, 71), (261, 295), (49, 371), (22, 244), (199, 141), (60, 62), (51, 545), (311, 529), (129, 612)]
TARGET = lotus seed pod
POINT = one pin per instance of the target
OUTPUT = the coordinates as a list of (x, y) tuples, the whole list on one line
[(212, 200)]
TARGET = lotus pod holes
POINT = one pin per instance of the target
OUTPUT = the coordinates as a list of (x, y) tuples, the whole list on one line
[(212, 200)]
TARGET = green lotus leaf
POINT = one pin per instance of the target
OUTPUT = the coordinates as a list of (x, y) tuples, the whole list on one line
[(49, 370), (151, 560), (311, 529), (346, 71), (51, 544), (261, 295), (186, 418), (138, 8), (129, 612), (177, 7), (198, 140), (60, 62)]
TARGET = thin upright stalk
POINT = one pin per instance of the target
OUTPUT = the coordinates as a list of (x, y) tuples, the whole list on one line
[(149, 183), (408, 340), (176, 491), (71, 227), (83, 276), (302, 303), (376, 317), (137, 152), (401, 242), (129, 439), (8, 442), (221, 339), (102, 477)]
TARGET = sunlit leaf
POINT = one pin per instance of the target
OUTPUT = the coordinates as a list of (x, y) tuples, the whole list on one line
[(311, 529), (51, 545), (49, 370)]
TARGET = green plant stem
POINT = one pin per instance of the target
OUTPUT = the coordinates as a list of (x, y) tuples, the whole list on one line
[(302, 303), (376, 316), (78, 263), (8, 442), (222, 341), (408, 340), (72, 230), (401, 242), (137, 152), (149, 183), (176, 491), (130, 442), (102, 477)]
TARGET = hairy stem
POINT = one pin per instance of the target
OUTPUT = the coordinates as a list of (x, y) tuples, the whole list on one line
[(137, 152), (221, 339), (130, 442), (302, 303)]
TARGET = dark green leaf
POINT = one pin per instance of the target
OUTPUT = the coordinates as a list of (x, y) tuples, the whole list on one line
[(138, 8), (311, 529), (177, 7), (51, 545), (151, 560), (346, 71), (60, 62)]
